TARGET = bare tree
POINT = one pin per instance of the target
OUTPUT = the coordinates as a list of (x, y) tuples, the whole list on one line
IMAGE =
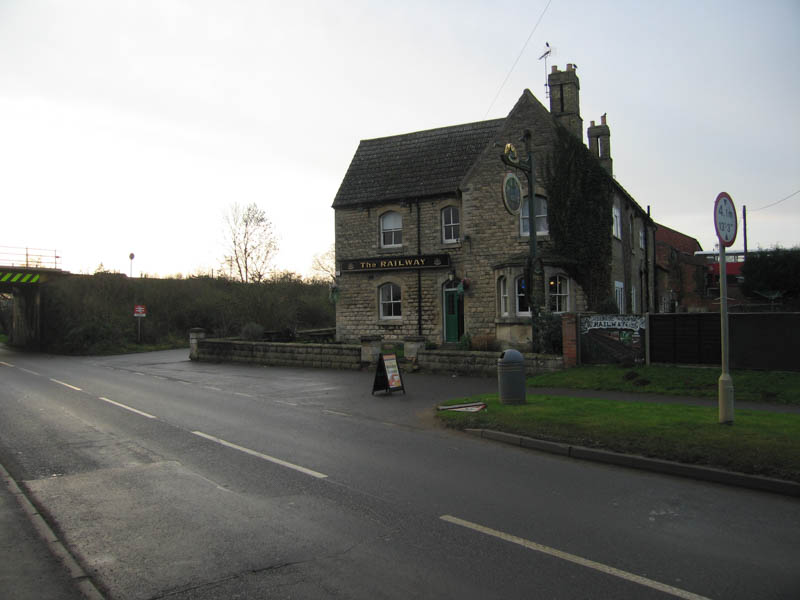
[(250, 241), (323, 265)]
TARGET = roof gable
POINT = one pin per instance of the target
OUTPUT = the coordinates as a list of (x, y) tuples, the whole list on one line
[(675, 239), (414, 165)]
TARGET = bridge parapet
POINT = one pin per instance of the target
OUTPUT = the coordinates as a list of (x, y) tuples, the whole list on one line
[(29, 258), (26, 267)]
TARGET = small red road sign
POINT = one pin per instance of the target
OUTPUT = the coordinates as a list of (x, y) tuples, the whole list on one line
[(139, 310)]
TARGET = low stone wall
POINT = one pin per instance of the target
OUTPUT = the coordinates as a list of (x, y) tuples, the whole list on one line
[(481, 363), (276, 354), (351, 356)]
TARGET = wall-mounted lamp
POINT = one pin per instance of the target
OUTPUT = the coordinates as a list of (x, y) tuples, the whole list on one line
[(451, 275)]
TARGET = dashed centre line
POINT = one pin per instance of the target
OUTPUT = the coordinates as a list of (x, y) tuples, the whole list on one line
[(266, 457), (5, 364), (72, 387), (585, 562), (130, 408)]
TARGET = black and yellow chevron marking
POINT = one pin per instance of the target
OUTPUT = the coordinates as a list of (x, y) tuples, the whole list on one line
[(18, 277)]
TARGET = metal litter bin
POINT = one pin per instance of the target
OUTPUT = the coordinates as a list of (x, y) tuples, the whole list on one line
[(511, 377)]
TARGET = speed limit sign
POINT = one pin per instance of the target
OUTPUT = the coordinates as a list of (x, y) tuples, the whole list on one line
[(725, 220)]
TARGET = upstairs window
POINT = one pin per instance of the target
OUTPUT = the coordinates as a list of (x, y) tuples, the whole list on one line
[(632, 232), (390, 301), (642, 238), (450, 225), (617, 223), (391, 230), (540, 216)]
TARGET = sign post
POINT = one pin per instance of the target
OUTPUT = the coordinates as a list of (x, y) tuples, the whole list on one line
[(139, 311), (725, 225)]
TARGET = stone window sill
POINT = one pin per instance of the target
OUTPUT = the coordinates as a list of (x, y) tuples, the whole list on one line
[(515, 320), (390, 323)]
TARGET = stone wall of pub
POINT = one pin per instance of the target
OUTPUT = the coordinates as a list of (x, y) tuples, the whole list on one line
[(276, 354)]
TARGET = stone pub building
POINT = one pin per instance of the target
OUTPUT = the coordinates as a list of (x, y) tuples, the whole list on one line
[(427, 249)]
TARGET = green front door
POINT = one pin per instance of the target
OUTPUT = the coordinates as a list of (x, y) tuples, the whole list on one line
[(453, 313)]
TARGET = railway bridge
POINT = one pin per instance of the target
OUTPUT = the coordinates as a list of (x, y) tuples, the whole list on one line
[(22, 273)]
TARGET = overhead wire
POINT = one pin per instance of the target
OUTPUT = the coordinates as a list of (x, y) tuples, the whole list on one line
[(774, 203), (521, 52)]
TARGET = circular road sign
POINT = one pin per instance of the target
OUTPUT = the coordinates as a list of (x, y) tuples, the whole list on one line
[(725, 219)]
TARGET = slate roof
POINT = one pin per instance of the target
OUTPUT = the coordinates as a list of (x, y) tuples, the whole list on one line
[(680, 241), (413, 165)]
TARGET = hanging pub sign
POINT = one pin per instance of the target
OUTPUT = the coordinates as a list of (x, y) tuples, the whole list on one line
[(387, 375), (395, 263), (512, 193)]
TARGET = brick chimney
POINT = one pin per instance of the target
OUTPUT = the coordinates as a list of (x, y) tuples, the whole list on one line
[(565, 103), (600, 143)]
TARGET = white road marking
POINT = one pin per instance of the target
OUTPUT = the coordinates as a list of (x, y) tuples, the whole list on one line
[(285, 402), (242, 394), (29, 371), (5, 364), (211, 387), (72, 387), (662, 587), (138, 412), (333, 412), (266, 457)]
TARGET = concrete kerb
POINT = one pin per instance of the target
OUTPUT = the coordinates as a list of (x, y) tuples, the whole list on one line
[(57, 548), (779, 486)]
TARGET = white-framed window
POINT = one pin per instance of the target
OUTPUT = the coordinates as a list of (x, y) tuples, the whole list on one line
[(391, 230), (523, 308), (616, 222), (558, 293), (450, 225), (502, 291), (539, 214), (524, 219), (389, 298), (642, 238), (619, 295)]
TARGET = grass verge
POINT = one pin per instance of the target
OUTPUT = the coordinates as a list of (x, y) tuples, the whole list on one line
[(778, 387), (760, 442)]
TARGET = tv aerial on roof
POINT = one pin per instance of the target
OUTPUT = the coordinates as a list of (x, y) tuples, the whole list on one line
[(545, 55)]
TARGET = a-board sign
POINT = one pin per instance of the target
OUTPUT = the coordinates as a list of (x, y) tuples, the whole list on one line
[(387, 375)]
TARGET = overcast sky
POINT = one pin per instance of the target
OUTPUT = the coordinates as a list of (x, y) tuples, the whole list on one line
[(131, 126)]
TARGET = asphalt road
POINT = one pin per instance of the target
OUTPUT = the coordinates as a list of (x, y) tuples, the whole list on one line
[(173, 479)]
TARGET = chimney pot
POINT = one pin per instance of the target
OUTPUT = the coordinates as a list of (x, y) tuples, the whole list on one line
[(570, 67), (554, 69), (602, 119), (592, 125)]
